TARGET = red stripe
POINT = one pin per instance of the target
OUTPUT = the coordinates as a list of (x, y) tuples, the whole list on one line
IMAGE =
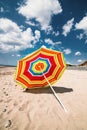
[(36, 78), (31, 77)]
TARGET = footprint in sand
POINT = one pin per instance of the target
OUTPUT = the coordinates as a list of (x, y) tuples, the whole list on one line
[(9, 111), (5, 94), (8, 124), (4, 110), (24, 106), (8, 100), (15, 103), (1, 100)]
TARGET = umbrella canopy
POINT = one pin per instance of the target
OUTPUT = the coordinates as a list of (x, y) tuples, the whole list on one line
[(40, 68)]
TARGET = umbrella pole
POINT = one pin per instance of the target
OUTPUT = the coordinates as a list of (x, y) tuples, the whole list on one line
[(58, 99)]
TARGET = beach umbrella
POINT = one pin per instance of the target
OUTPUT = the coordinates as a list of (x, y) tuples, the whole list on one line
[(42, 68)]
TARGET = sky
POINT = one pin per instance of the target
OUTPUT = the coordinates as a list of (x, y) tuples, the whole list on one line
[(27, 25)]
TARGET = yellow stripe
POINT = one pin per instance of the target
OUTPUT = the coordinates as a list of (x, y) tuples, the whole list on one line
[(39, 81), (37, 71), (36, 52), (15, 76), (63, 68), (24, 63), (29, 57), (50, 77)]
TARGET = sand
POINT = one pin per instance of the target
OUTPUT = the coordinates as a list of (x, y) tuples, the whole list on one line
[(38, 109)]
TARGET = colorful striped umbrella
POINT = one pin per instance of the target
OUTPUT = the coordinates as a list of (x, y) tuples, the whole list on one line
[(40, 69)]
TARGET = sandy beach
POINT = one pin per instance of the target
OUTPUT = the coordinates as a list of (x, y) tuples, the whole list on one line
[(38, 109)]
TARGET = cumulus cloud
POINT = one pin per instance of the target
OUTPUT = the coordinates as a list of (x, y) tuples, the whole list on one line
[(43, 46), (13, 38), (1, 9), (50, 42), (82, 25), (67, 27), (31, 23), (12, 55), (40, 11), (18, 55), (78, 53), (80, 36), (56, 33), (86, 41), (37, 35), (67, 51), (79, 60), (49, 30)]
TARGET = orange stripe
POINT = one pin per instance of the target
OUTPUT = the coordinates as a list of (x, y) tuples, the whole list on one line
[(49, 51), (56, 76), (60, 59), (31, 55), (38, 85), (18, 75), (23, 81), (19, 68)]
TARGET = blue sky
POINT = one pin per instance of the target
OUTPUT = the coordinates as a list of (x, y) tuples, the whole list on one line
[(27, 25)]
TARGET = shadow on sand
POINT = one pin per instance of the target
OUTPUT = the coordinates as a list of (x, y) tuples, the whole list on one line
[(48, 90)]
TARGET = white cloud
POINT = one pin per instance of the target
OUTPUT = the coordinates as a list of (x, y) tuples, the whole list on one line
[(32, 23), (86, 41), (79, 60), (43, 46), (78, 53), (37, 34), (1, 9), (49, 30), (68, 62), (59, 42), (56, 33), (80, 36), (13, 38), (18, 55), (67, 51), (82, 25), (12, 55), (7, 25), (41, 11), (67, 27), (50, 42)]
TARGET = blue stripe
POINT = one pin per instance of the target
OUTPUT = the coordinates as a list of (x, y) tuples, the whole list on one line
[(39, 73)]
